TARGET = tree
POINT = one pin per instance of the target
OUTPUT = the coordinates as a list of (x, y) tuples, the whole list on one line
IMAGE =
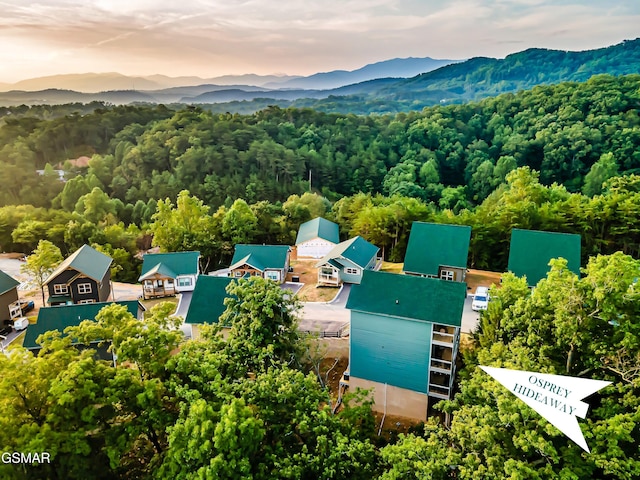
[(44, 259), (605, 168), (184, 227), (262, 320), (239, 224)]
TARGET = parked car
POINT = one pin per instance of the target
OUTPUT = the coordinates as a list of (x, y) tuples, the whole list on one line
[(27, 305), (480, 299), (6, 331)]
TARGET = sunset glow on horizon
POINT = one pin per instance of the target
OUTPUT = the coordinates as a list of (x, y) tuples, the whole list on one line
[(208, 38)]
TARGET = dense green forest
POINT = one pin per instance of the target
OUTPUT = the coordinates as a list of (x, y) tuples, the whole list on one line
[(248, 406), (248, 176), (141, 153)]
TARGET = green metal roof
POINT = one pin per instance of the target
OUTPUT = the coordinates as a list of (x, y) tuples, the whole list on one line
[(176, 263), (318, 228), (59, 299), (159, 269), (531, 251), (251, 260), (7, 282), (86, 260), (407, 296), (432, 245), (207, 301), (261, 256), (356, 249), (59, 318)]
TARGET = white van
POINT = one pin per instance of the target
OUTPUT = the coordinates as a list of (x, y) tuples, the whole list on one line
[(480, 299), (21, 323)]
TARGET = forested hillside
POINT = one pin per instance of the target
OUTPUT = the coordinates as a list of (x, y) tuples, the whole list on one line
[(143, 153), (474, 79), (247, 173)]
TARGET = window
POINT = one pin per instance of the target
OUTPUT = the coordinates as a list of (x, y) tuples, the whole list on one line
[(447, 275), (185, 281), (60, 289), (238, 273), (272, 275), (84, 288), (83, 302), (352, 271)]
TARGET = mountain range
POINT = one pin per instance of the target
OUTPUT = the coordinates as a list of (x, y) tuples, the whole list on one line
[(100, 82), (383, 87)]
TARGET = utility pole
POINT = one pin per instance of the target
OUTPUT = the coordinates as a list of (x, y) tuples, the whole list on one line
[(309, 180)]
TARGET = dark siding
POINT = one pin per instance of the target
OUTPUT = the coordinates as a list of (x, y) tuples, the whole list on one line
[(6, 299), (63, 277), (105, 290), (77, 296)]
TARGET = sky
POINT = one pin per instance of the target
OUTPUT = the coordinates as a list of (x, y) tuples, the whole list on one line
[(208, 38)]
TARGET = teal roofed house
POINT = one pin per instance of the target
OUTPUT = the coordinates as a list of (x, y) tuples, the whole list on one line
[(347, 261), (404, 338), (166, 274), (531, 250), (267, 261), (61, 317), (83, 277), (8, 295), (438, 250), (207, 302), (316, 238)]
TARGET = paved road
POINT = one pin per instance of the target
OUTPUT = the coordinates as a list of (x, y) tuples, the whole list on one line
[(11, 266), (328, 317), (125, 291), (470, 318)]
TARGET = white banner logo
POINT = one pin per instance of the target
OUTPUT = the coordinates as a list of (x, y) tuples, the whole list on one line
[(556, 397)]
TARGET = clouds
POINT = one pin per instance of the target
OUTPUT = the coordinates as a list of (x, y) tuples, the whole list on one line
[(212, 37)]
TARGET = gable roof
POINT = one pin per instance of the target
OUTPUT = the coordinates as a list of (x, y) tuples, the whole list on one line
[(407, 296), (260, 257), (7, 282), (531, 250), (170, 264), (432, 245), (318, 228), (86, 260), (59, 318), (357, 250), (207, 301)]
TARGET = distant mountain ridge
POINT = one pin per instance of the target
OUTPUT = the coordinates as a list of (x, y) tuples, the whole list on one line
[(397, 67), (100, 82), (455, 82), (473, 79)]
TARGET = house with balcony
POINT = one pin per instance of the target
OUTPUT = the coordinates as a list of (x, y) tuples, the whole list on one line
[(347, 261), (167, 274), (61, 317), (266, 261), (531, 250), (438, 251), (403, 343), (316, 238), (83, 277), (8, 295)]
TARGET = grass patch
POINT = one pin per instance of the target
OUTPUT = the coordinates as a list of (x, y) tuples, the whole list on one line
[(392, 267), (149, 304), (313, 293)]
